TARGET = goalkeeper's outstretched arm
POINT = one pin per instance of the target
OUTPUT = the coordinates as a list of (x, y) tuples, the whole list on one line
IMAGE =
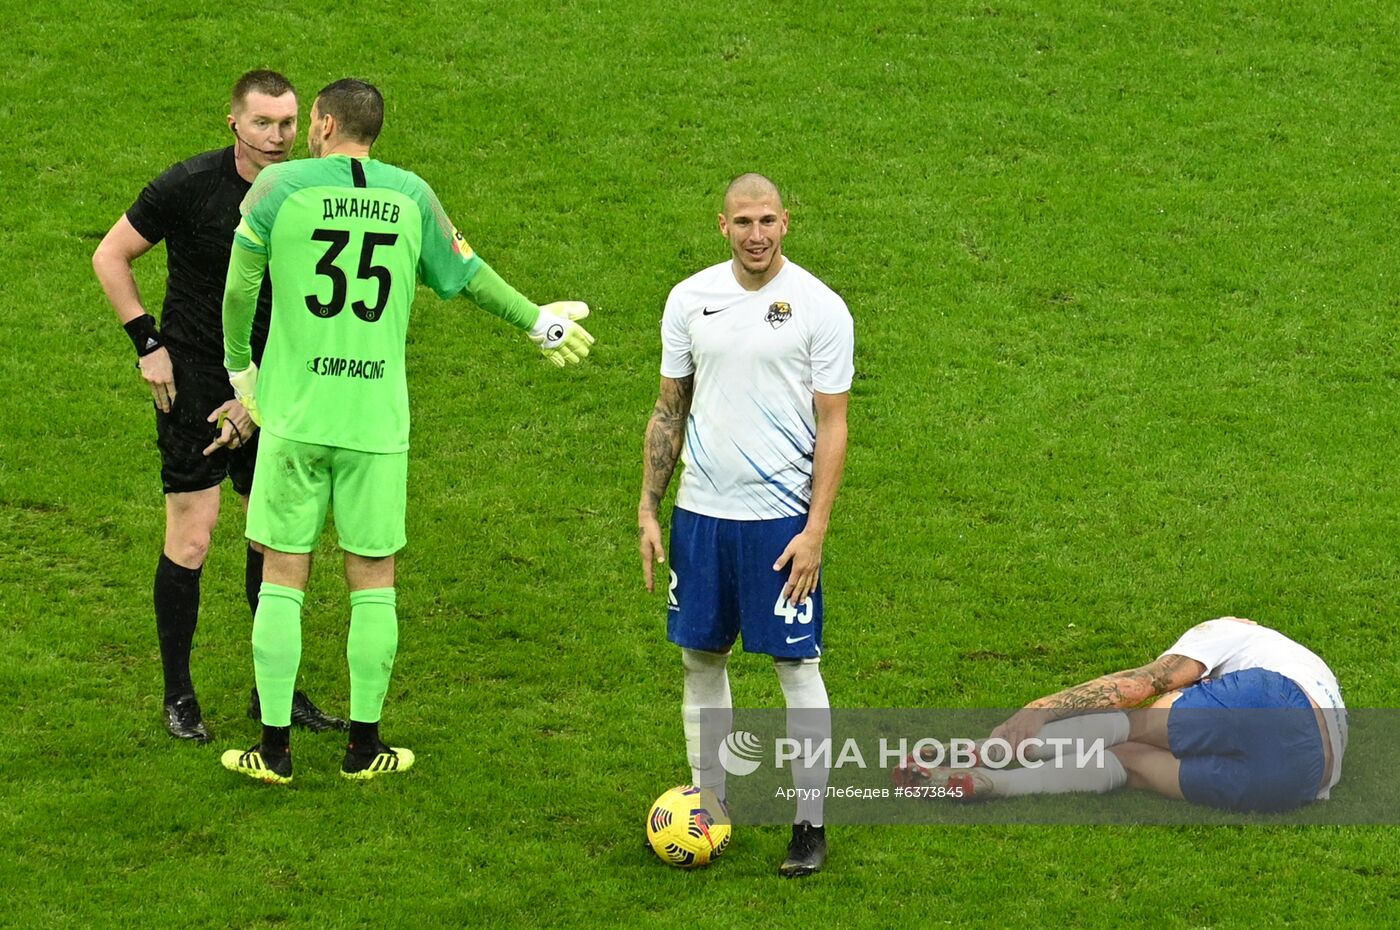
[(554, 327)]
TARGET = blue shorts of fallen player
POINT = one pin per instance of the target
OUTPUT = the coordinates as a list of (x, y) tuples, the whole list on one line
[(723, 586), (1247, 741)]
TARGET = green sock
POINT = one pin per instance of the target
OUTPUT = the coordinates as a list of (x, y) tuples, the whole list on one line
[(370, 650), (277, 650)]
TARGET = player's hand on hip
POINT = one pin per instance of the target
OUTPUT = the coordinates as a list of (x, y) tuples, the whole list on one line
[(803, 559), (235, 427), (159, 375), (559, 336), (652, 550)]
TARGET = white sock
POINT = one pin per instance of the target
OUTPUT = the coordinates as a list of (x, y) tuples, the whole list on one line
[(1049, 779), (808, 719), (707, 711), (1082, 731)]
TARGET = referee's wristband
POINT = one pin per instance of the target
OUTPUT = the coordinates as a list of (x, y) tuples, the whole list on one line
[(144, 335)]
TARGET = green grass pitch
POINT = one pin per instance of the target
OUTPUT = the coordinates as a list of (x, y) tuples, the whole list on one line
[(1124, 282)]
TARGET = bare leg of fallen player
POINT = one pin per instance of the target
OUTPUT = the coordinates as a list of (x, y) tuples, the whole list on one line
[(1146, 756)]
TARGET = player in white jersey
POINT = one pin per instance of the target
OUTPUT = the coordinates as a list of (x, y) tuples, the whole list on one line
[(1244, 718), (756, 366)]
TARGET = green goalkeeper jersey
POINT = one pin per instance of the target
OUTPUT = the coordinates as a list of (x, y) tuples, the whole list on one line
[(345, 240)]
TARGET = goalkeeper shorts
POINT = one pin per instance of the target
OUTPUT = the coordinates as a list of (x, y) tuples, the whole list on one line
[(296, 483)]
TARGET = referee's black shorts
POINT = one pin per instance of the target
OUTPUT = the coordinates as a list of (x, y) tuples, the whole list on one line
[(183, 434)]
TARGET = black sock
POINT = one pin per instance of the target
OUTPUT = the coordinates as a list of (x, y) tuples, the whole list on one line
[(177, 614), (276, 741), (364, 738), (252, 578), (252, 584)]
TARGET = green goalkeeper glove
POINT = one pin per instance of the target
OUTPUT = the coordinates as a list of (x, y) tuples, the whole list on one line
[(245, 386), (562, 340)]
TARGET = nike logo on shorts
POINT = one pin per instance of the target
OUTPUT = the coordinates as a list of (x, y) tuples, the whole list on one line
[(798, 639)]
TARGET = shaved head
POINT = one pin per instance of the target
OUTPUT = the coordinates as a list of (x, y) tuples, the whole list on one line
[(754, 222), (751, 186)]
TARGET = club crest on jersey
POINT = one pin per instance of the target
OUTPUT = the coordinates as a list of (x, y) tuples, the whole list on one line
[(779, 312), (459, 245)]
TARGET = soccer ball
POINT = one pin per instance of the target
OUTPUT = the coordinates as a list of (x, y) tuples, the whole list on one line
[(688, 827)]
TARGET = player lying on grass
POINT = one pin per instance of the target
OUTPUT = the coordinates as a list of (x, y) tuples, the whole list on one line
[(1242, 718)]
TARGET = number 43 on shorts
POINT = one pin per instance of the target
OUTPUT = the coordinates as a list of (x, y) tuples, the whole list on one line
[(800, 613)]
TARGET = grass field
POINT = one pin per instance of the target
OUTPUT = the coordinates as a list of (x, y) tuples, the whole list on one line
[(1124, 284)]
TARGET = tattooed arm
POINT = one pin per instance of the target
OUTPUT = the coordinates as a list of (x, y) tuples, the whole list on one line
[(1124, 689), (665, 433), (1116, 690)]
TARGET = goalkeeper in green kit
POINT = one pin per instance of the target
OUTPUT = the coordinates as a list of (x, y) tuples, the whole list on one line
[(345, 239)]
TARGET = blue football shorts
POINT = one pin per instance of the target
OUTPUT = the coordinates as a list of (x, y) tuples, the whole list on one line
[(1247, 741), (723, 587)]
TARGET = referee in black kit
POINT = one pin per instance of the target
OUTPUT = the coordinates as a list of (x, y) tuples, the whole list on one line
[(194, 207)]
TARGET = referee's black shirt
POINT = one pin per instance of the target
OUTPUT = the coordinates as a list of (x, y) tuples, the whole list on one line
[(193, 206)]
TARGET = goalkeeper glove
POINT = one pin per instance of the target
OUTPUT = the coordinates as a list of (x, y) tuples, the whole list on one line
[(245, 386), (560, 339)]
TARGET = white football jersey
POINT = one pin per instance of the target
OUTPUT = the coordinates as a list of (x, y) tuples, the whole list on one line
[(757, 357), (1226, 645)]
